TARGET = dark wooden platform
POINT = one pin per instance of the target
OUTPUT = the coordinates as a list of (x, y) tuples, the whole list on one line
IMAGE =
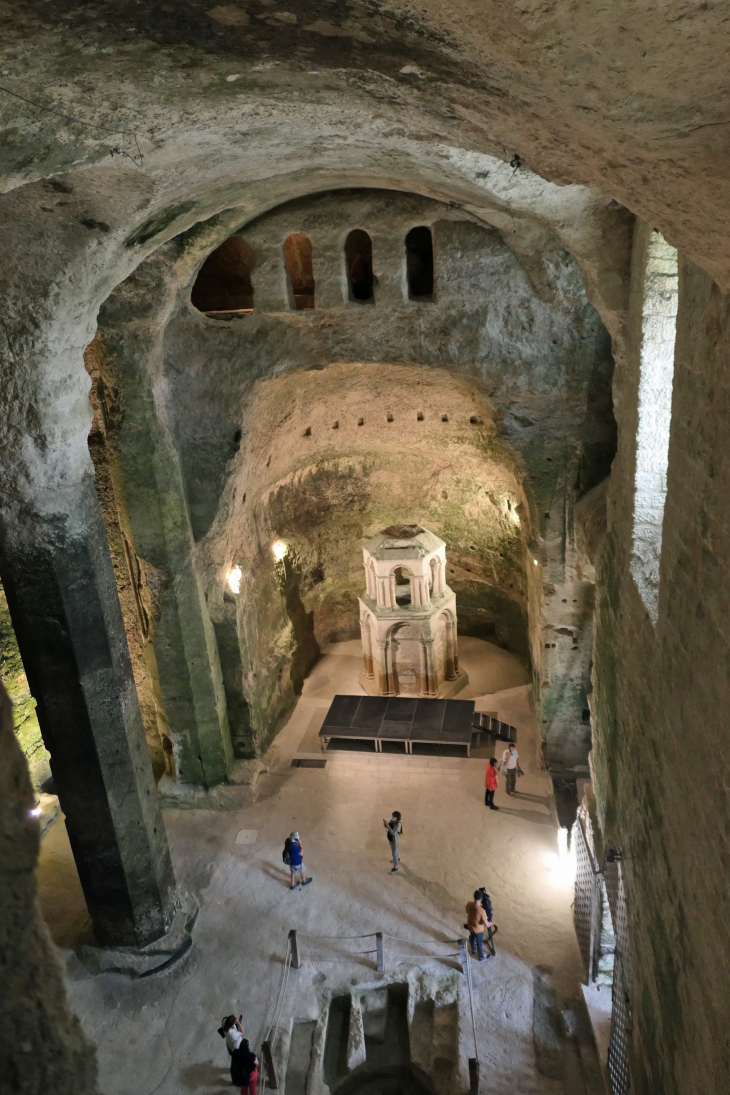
[(407, 719)]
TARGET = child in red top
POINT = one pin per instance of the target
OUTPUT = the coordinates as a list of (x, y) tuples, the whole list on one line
[(490, 782)]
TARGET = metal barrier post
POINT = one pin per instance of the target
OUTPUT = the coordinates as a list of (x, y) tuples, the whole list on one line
[(462, 955), (473, 1076), (269, 1065), (296, 963), (380, 951)]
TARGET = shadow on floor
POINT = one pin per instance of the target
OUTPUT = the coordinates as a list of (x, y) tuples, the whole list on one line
[(206, 1074), (533, 816)]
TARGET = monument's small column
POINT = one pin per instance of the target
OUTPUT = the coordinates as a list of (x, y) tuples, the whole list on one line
[(391, 590), (432, 684), (383, 676), (455, 646), (367, 647), (450, 637)]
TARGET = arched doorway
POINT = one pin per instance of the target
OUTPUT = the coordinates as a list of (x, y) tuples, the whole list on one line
[(405, 642)]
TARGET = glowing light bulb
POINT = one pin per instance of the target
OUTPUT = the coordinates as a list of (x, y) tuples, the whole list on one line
[(36, 811), (234, 579), (535, 561), (279, 549)]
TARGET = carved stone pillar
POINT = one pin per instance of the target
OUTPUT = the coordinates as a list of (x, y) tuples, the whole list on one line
[(455, 646), (450, 644), (384, 677), (367, 648), (423, 677), (431, 674), (60, 585)]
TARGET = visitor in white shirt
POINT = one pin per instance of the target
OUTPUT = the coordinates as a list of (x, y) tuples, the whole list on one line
[(509, 765), (233, 1032)]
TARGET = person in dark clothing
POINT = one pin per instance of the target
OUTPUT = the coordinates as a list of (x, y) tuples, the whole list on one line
[(244, 1069), (394, 831), (476, 922), (492, 928)]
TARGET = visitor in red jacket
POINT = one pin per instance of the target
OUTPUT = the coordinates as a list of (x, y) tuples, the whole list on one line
[(490, 783)]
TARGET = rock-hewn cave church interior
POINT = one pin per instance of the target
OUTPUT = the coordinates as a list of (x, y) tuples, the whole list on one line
[(364, 473)]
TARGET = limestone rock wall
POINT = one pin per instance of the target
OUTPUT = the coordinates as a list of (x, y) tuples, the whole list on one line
[(42, 1047), (515, 321), (660, 754), (25, 720)]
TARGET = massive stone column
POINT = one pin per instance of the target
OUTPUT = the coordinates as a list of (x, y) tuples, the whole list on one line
[(59, 580), (131, 327)]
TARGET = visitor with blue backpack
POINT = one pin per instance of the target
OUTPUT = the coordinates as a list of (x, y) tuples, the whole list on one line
[(293, 856)]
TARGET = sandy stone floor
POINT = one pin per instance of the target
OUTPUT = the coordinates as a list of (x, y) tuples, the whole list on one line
[(158, 1035)]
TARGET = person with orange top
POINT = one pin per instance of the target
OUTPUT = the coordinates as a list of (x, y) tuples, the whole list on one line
[(490, 782)]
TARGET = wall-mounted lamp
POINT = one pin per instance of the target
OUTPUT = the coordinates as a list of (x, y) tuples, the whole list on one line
[(234, 579), (36, 811), (279, 549), (535, 561)]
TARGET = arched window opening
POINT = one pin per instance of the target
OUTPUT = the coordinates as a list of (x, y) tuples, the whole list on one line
[(658, 334), (298, 259), (359, 259), (223, 285), (419, 264), (402, 586)]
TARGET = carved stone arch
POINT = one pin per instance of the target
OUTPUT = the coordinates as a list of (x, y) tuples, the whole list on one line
[(404, 643), (451, 667)]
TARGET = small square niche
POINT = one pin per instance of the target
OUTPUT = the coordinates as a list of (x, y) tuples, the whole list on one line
[(247, 836)]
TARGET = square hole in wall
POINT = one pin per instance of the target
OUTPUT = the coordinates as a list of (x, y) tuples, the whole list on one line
[(247, 836)]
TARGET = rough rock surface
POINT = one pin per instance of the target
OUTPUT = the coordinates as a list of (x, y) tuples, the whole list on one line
[(661, 697), (25, 720), (126, 125), (41, 1044)]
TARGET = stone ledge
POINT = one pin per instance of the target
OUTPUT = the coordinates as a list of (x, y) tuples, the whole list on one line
[(155, 957), (238, 791)]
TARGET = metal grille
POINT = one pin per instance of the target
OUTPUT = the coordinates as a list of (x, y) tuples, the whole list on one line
[(619, 1046), (587, 903)]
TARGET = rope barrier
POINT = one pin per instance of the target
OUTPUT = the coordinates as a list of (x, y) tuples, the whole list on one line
[(282, 989), (451, 954), (471, 1002), (417, 942), (351, 954), (301, 935)]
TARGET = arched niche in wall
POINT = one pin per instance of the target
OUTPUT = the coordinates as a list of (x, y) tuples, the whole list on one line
[(298, 260), (402, 586), (223, 285), (419, 263), (359, 261)]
